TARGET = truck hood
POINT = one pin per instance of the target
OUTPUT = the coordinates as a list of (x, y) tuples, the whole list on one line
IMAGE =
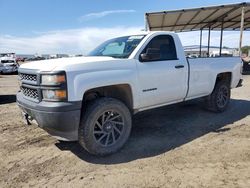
[(52, 64)]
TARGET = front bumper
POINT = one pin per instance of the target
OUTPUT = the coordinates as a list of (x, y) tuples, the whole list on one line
[(9, 70), (59, 119)]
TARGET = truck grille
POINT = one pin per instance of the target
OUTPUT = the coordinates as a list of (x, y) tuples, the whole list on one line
[(31, 93), (28, 77)]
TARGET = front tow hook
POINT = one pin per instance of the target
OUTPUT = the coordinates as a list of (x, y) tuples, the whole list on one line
[(27, 119)]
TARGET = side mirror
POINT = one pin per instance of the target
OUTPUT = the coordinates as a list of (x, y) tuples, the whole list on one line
[(152, 54)]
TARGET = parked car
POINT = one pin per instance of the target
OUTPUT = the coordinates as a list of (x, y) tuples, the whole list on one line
[(246, 65), (193, 56), (91, 99), (8, 65), (37, 58)]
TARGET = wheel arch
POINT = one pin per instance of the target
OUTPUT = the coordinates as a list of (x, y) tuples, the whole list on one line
[(224, 76), (122, 92)]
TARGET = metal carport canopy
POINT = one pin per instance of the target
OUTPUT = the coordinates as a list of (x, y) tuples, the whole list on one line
[(227, 17)]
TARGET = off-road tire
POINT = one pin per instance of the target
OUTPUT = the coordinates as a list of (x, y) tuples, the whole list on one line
[(89, 127), (221, 90)]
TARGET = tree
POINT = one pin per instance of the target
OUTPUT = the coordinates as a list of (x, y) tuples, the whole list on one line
[(245, 49)]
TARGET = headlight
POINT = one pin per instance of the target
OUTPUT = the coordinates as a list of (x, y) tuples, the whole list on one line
[(58, 95), (53, 79)]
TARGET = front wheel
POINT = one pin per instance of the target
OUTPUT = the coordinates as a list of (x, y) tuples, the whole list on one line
[(219, 99), (105, 126)]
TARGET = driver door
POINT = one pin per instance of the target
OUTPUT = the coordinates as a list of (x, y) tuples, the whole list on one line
[(162, 77)]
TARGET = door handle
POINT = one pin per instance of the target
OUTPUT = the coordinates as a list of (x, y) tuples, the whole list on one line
[(179, 66)]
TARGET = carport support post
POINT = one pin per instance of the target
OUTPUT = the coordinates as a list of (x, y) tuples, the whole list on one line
[(146, 22), (221, 35), (208, 43), (200, 41), (241, 28)]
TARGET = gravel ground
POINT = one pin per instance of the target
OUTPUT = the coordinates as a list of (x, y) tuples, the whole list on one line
[(175, 146)]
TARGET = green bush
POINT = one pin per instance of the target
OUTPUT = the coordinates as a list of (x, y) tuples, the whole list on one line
[(245, 49)]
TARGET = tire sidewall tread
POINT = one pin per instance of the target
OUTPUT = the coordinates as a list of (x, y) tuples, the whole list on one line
[(211, 103), (92, 112)]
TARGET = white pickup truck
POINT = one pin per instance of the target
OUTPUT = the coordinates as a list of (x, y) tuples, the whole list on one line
[(91, 99)]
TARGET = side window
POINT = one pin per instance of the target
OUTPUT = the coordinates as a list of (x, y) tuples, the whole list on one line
[(164, 45)]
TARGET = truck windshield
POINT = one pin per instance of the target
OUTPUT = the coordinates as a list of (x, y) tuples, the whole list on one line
[(120, 47)]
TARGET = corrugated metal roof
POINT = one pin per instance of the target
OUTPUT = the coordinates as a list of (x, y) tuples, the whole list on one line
[(200, 18)]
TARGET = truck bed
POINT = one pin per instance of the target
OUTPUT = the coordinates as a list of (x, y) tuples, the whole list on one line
[(203, 73)]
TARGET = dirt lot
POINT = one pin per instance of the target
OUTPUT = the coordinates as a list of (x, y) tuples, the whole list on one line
[(176, 146)]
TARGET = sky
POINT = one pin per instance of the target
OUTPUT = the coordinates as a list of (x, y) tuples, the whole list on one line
[(77, 26)]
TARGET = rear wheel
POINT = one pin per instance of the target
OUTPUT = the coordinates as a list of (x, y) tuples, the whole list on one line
[(219, 99), (105, 126)]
